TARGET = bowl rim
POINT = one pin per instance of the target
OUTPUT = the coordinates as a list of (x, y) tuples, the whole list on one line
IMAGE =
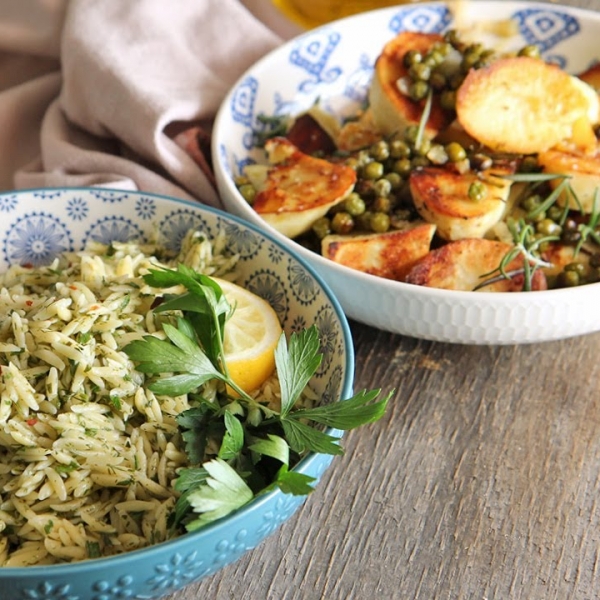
[(509, 299), (301, 466)]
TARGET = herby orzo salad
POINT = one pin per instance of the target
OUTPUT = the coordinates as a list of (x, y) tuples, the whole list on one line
[(118, 407)]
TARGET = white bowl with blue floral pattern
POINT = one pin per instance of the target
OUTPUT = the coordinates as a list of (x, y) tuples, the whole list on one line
[(334, 64), (35, 225)]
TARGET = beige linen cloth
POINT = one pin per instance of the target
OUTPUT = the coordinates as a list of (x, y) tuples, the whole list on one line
[(120, 93)]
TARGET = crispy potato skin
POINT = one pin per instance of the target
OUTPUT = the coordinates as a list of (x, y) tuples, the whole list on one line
[(390, 255), (299, 189), (584, 171), (465, 264), (524, 105), (392, 111), (441, 196)]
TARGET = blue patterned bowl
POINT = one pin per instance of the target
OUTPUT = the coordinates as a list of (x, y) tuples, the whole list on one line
[(37, 224), (334, 64)]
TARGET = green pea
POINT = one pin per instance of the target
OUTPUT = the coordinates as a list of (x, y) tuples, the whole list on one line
[(373, 170), (477, 191), (380, 150), (248, 191), (382, 204), (382, 187), (380, 222), (548, 227), (395, 179), (530, 51), (455, 152), (420, 72), (402, 166), (354, 205), (321, 227), (399, 149), (418, 90), (529, 164), (412, 57), (568, 279), (342, 222), (448, 99)]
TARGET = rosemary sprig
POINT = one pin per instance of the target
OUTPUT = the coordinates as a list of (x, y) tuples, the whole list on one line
[(527, 245), (589, 229)]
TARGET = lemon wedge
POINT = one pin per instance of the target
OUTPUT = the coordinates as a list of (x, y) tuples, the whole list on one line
[(251, 335)]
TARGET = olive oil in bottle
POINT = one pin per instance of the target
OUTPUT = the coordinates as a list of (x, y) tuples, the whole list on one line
[(311, 13)]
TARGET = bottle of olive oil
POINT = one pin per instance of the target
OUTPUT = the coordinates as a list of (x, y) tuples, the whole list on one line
[(311, 13)]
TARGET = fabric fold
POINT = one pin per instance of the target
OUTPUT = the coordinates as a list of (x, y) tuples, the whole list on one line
[(120, 94)]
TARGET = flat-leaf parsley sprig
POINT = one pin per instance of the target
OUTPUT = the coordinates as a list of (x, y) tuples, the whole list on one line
[(238, 446)]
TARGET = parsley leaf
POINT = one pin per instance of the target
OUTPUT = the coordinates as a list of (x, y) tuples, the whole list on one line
[(274, 446), (297, 365), (223, 492), (233, 440)]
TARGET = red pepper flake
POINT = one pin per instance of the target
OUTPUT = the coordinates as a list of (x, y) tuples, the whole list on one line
[(31, 422), (72, 287), (29, 302)]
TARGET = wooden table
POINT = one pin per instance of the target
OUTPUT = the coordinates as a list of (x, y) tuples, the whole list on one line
[(481, 482)]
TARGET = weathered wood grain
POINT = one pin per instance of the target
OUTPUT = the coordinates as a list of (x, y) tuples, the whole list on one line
[(481, 482)]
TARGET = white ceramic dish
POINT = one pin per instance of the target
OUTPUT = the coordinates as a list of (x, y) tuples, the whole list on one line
[(335, 63)]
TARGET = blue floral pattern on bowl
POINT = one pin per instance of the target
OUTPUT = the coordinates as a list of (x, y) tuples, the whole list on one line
[(70, 218)]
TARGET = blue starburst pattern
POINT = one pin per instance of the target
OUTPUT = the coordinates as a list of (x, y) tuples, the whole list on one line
[(177, 223), (546, 27), (275, 254), (8, 202), (36, 239), (113, 229), (242, 241), (178, 572), (429, 19), (269, 286), (298, 324), (49, 591), (77, 208), (303, 285), (312, 53), (145, 208), (284, 508), (328, 329)]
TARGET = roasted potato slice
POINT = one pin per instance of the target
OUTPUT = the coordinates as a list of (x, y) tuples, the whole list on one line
[(357, 134), (525, 105), (466, 264), (584, 172), (389, 255), (393, 111), (441, 196), (297, 189)]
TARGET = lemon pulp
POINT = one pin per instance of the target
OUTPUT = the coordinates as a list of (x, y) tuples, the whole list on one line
[(251, 336)]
